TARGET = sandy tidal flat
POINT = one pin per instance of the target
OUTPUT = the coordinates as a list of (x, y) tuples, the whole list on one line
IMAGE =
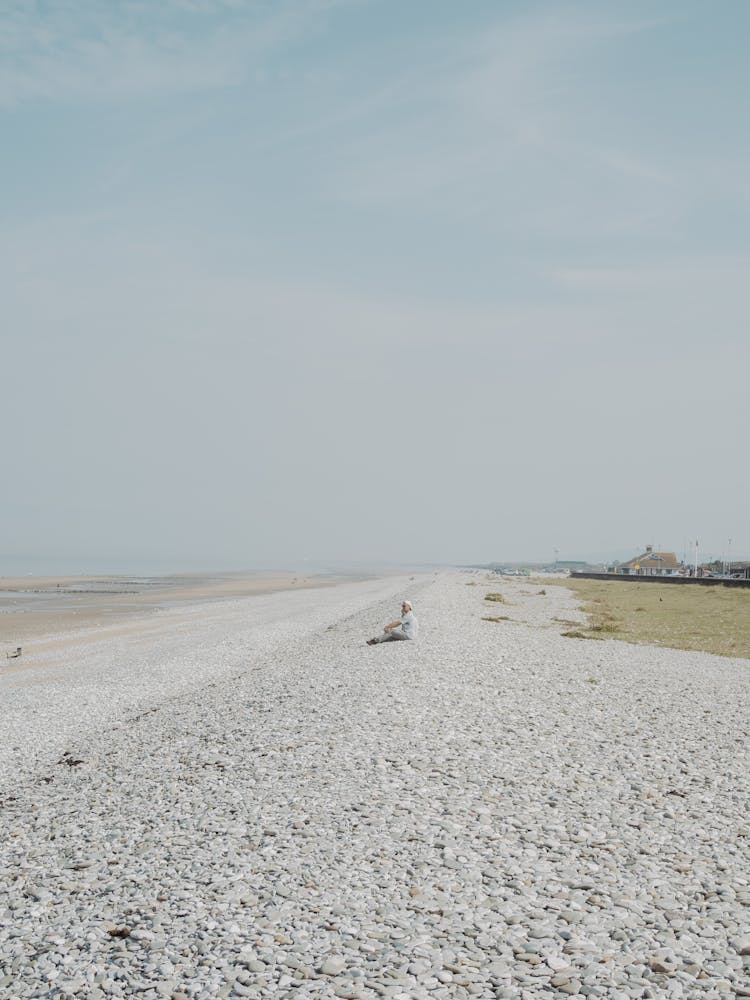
[(278, 810), (37, 610)]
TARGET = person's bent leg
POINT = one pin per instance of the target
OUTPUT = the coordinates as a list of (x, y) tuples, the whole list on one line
[(392, 636)]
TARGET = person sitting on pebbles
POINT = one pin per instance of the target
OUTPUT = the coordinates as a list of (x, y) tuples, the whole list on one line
[(404, 628)]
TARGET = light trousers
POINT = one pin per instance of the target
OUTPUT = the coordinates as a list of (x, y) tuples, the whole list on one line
[(391, 636)]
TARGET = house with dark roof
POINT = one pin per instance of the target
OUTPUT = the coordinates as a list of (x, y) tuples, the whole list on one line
[(651, 563)]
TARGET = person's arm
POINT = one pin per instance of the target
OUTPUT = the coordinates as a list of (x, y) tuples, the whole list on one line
[(391, 625)]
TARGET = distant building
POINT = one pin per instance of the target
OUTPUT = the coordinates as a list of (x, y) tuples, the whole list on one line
[(740, 570), (651, 563)]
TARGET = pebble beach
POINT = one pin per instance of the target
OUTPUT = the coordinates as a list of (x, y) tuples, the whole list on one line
[(242, 799)]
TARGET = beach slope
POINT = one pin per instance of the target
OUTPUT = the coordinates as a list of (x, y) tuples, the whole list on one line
[(274, 809)]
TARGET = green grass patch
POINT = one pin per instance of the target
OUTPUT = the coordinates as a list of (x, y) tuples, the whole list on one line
[(604, 626), (712, 619), (497, 598), (577, 634)]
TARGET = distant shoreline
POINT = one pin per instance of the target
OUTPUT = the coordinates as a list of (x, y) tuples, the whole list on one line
[(35, 608)]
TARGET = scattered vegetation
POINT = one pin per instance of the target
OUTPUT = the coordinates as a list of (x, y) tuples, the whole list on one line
[(495, 618), (497, 598), (713, 619), (542, 593), (604, 626)]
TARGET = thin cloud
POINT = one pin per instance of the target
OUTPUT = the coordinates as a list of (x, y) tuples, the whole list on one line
[(94, 51), (633, 166), (722, 272), (488, 110)]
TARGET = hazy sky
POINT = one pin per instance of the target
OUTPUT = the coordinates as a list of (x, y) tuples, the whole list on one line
[(416, 281)]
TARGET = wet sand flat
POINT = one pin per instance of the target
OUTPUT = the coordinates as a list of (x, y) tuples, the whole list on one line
[(38, 613)]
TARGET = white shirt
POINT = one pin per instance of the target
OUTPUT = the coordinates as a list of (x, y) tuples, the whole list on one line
[(409, 625)]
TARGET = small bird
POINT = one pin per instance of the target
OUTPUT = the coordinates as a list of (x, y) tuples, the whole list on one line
[(14, 656)]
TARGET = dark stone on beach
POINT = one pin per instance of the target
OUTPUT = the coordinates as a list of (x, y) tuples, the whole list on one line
[(70, 760)]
